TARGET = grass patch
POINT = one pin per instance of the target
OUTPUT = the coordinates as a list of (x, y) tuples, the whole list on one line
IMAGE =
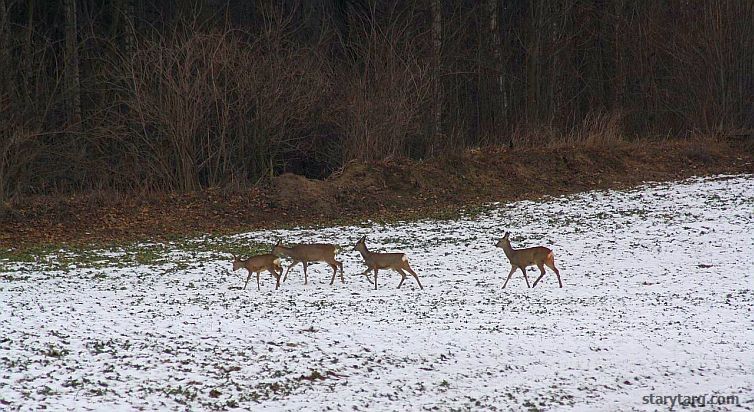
[(182, 252)]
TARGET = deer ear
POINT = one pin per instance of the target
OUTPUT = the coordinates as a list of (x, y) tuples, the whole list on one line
[(506, 235)]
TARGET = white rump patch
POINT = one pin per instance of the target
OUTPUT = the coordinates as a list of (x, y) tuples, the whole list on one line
[(404, 258)]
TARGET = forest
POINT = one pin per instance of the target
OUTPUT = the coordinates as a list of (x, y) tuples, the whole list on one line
[(178, 96)]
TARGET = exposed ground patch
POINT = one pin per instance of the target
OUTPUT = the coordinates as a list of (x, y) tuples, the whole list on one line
[(386, 190)]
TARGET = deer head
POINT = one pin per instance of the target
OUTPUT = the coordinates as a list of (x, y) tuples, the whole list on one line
[(237, 263), (504, 241), (360, 244)]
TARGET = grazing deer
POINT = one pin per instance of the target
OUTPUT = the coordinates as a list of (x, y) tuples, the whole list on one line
[(376, 261), (258, 264), (318, 252), (522, 258)]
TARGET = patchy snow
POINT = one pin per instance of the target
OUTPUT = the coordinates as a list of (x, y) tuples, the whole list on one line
[(657, 300)]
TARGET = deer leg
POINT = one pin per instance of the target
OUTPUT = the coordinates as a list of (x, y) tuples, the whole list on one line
[(375, 278), (560, 282), (366, 273), (258, 280), (306, 277), (294, 263), (542, 273), (557, 273), (513, 269), (334, 272), (403, 276), (275, 275), (247, 280), (526, 278), (411, 271), (551, 265)]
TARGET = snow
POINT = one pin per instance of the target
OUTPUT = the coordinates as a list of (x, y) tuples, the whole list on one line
[(657, 301)]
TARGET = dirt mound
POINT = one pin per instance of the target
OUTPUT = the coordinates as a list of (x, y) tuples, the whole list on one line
[(291, 191), (361, 186)]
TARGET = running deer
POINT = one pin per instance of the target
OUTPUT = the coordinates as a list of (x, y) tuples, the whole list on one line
[(258, 264), (522, 258), (376, 261), (318, 252)]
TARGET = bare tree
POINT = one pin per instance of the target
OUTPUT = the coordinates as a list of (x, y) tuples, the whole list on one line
[(4, 49), (500, 100), (122, 24), (437, 95), (72, 79)]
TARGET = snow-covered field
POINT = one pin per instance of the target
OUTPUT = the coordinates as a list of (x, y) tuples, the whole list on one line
[(658, 297)]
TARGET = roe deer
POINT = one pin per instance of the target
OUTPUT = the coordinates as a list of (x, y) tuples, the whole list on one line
[(318, 252), (522, 258), (258, 264), (376, 261)]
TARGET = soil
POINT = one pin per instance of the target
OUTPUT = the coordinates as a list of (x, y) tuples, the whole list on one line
[(391, 189)]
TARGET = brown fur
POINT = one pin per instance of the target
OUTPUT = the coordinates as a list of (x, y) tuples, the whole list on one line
[(258, 264), (317, 252), (523, 258), (376, 261)]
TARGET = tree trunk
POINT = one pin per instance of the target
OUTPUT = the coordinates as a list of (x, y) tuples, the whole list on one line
[(500, 100), (28, 47), (532, 65), (603, 56), (5, 69), (437, 95), (619, 74), (72, 81)]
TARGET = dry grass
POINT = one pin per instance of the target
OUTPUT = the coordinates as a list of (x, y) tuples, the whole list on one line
[(596, 130)]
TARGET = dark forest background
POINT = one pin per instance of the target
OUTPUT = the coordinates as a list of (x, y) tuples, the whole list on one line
[(130, 95)]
